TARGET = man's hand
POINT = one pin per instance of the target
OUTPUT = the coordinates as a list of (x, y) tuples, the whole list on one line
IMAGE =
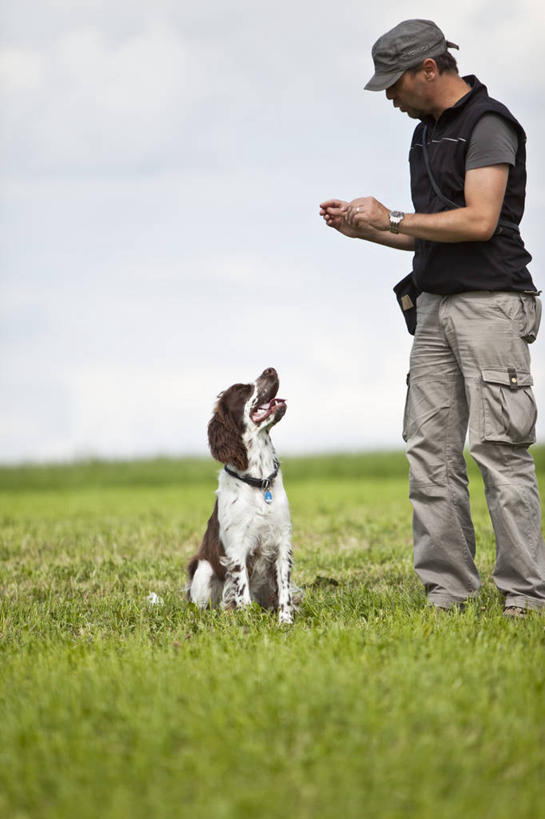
[(367, 212), (333, 212), (358, 219)]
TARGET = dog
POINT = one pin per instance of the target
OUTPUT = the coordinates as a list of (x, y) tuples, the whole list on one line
[(246, 555)]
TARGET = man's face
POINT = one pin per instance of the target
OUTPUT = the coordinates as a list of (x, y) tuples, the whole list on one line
[(409, 94)]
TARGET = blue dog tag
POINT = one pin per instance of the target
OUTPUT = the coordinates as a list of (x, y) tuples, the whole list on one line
[(268, 496)]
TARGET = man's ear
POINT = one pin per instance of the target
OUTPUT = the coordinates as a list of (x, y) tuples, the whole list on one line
[(431, 72)]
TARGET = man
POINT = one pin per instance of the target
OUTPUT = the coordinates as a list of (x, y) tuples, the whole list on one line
[(476, 313)]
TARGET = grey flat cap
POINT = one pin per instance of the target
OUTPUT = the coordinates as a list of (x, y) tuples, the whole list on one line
[(406, 45)]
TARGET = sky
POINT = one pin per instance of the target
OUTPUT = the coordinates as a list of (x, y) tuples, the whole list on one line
[(162, 166)]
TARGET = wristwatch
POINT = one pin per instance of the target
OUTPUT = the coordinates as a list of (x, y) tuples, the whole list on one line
[(395, 219)]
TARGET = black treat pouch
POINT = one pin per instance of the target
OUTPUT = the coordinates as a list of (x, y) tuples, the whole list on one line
[(406, 295)]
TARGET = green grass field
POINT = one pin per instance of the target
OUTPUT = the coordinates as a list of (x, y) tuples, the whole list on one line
[(371, 705)]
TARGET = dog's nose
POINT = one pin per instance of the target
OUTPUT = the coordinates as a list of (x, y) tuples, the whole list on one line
[(269, 371)]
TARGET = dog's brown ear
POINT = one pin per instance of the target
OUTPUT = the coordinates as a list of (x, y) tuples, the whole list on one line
[(225, 440)]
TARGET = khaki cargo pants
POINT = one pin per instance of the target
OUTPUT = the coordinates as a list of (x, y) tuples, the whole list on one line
[(470, 367)]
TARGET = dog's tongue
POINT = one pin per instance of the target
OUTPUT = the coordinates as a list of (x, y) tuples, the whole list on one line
[(264, 410)]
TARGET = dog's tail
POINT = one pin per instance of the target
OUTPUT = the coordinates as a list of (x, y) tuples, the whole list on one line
[(191, 569), (192, 566)]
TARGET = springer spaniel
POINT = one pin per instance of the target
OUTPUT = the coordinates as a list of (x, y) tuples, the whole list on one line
[(246, 553)]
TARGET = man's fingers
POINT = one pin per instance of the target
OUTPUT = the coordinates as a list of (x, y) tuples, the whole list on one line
[(333, 203)]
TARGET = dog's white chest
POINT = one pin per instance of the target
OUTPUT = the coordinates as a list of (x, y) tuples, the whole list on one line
[(243, 508)]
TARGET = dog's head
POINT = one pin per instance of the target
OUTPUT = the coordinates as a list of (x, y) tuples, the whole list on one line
[(242, 411)]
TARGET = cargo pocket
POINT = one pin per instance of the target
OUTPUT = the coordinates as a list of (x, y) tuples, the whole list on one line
[(509, 407), (405, 432)]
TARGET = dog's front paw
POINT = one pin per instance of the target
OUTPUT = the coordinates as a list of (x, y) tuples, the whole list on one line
[(285, 617)]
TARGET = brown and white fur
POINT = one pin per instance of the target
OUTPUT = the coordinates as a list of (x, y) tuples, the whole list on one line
[(246, 554)]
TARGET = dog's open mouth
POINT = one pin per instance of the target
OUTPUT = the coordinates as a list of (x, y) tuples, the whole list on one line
[(264, 410)]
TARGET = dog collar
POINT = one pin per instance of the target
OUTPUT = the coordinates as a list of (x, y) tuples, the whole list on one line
[(259, 483)]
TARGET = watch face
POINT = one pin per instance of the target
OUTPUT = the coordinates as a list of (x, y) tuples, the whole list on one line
[(395, 218)]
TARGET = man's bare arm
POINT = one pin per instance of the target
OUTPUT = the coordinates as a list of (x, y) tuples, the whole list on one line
[(484, 191)]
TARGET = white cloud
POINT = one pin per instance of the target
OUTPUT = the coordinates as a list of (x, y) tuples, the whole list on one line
[(89, 103), (21, 70)]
